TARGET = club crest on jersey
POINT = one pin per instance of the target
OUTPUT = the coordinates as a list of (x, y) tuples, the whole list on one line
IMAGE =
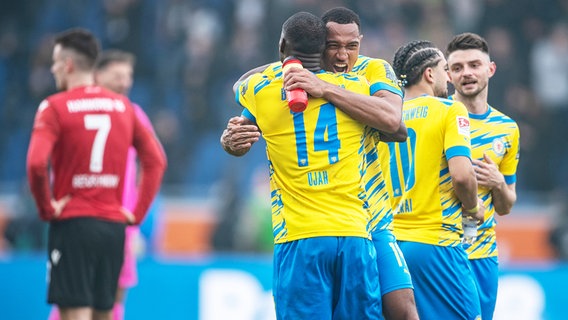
[(498, 146), (463, 125)]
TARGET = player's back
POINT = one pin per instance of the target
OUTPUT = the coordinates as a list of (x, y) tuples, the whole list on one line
[(427, 210), (95, 130), (316, 160)]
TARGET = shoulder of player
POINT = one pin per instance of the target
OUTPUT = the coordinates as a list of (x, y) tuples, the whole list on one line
[(273, 70), (368, 62), (60, 101), (342, 78), (442, 101), (257, 81), (494, 112)]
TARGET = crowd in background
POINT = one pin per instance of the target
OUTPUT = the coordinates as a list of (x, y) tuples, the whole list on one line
[(190, 52)]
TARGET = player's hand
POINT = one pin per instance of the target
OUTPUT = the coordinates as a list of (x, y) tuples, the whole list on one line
[(130, 219), (302, 78), (487, 173), (58, 205), (238, 137), (480, 215)]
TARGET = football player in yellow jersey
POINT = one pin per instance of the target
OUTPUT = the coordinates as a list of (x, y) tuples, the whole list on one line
[(434, 184), (342, 55), (324, 259), (494, 152)]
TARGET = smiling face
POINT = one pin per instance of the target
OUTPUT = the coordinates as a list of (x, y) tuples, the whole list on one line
[(469, 71), (341, 47)]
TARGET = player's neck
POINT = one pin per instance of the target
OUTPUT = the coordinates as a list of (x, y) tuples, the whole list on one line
[(418, 90), (80, 80), (311, 62), (476, 104)]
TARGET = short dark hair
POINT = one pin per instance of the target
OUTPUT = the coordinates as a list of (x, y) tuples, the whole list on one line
[(467, 41), (341, 15), (82, 42), (113, 55), (305, 32), (412, 59)]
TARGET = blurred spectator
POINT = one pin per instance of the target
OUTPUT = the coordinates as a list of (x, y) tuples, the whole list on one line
[(549, 66), (508, 72)]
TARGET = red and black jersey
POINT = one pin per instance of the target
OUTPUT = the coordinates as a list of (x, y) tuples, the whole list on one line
[(85, 134)]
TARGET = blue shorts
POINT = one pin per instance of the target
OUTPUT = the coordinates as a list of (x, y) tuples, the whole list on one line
[(393, 272), (486, 272), (444, 285), (326, 278)]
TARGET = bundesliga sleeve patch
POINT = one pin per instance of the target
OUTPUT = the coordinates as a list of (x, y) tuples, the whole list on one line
[(463, 126)]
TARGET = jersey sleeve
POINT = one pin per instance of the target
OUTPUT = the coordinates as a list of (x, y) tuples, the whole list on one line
[(457, 136), (508, 166), (381, 76), (44, 135), (245, 95), (153, 163)]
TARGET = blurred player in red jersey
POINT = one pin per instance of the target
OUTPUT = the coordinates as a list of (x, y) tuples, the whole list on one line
[(83, 135), (114, 70)]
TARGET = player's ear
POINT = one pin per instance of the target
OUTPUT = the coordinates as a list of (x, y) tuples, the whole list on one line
[(69, 65), (428, 75), (492, 68), (282, 46)]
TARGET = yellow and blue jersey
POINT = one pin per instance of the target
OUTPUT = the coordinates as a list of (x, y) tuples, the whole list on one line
[(273, 70), (379, 73), (426, 207), (381, 77), (495, 134), (315, 157)]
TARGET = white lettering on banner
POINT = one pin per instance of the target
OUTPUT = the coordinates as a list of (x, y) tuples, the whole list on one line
[(233, 294), (81, 181), (519, 297), (95, 104)]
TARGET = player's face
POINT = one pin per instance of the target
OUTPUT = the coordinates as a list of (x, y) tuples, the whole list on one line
[(58, 67), (116, 76), (341, 47), (441, 78), (469, 71)]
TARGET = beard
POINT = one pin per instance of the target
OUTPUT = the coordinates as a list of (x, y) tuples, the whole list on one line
[(441, 92)]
